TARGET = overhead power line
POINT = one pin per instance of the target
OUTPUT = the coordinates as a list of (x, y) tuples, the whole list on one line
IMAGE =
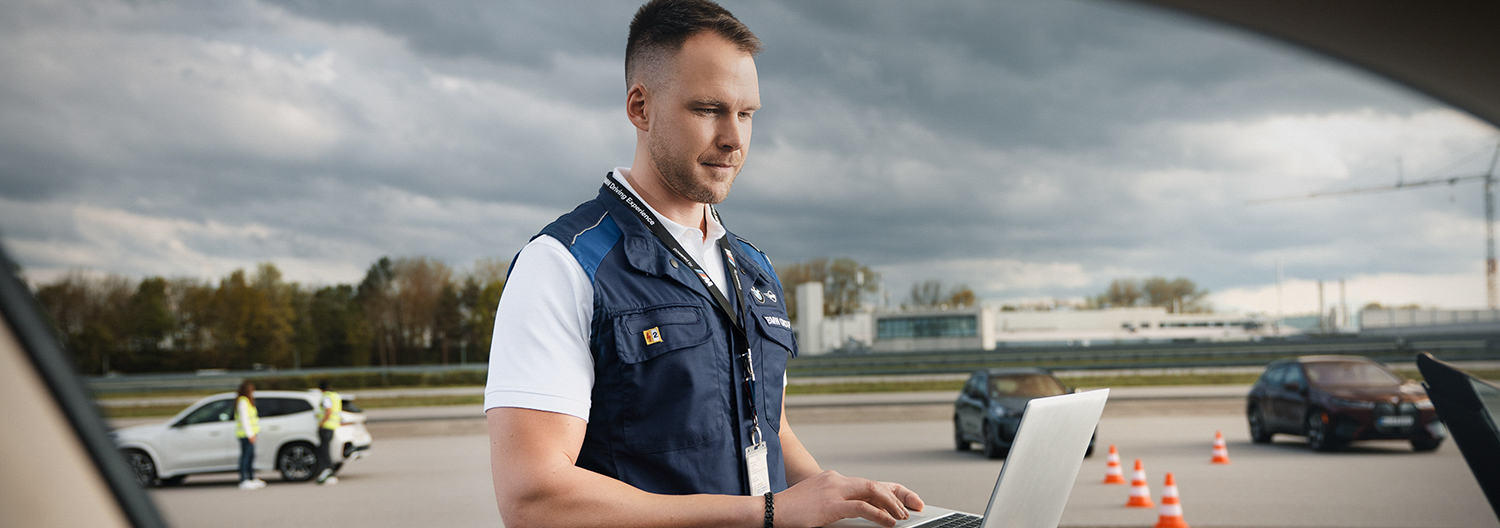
[(1489, 209)]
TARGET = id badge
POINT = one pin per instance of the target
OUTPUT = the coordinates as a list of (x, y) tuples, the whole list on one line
[(756, 467)]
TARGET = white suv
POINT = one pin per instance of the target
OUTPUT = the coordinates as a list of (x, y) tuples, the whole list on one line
[(201, 439)]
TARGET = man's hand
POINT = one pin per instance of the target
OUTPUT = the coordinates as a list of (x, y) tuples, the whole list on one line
[(829, 496)]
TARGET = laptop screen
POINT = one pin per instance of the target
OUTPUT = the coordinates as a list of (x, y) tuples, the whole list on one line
[(1470, 410), (1489, 397)]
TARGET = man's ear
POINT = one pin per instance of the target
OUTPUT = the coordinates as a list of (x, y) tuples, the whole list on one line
[(637, 106)]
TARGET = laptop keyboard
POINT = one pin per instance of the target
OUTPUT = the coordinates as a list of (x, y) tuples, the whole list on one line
[(957, 520)]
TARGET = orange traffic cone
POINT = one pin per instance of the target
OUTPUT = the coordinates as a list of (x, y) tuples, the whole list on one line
[(1112, 472), (1171, 509), (1140, 494), (1221, 453)]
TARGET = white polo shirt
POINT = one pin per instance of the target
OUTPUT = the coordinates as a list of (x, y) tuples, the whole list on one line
[(539, 353)]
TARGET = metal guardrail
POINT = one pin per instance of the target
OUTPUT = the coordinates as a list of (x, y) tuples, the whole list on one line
[(1142, 356), (216, 379), (1206, 355)]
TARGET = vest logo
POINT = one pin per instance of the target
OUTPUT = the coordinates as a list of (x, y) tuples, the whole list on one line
[(771, 294), (653, 335), (777, 321), (758, 297)]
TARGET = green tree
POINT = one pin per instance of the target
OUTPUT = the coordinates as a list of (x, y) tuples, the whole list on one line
[(845, 282), (926, 293), (254, 319), (480, 296), (231, 311), (1178, 295), (1121, 293), (150, 325), (962, 296), (271, 331), (930, 293), (448, 323), (334, 316), (195, 309), (405, 311), (89, 315), (304, 334), (377, 329), (417, 287)]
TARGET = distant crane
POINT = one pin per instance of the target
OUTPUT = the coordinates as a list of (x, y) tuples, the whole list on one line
[(1489, 210)]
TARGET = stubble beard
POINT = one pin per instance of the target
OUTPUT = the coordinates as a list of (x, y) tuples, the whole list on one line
[(678, 175)]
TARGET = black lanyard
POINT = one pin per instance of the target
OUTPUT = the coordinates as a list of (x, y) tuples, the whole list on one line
[(736, 320)]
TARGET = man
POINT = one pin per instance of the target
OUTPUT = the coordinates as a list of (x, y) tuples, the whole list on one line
[(639, 354), (330, 414)]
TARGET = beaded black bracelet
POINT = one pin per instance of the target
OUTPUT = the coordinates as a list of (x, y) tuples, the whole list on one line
[(770, 509)]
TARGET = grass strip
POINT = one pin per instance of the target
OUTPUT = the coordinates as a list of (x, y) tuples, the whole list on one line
[(147, 411), (176, 393), (801, 388), (875, 386), (1079, 381)]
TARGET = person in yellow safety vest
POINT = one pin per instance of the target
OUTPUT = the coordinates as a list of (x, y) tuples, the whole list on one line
[(247, 429), (330, 416)]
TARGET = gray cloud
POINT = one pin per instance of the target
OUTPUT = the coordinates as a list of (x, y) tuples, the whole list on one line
[(1031, 149)]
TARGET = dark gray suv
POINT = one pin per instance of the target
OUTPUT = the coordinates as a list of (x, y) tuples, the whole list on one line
[(991, 403)]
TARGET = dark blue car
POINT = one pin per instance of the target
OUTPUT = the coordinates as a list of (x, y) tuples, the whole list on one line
[(991, 403)]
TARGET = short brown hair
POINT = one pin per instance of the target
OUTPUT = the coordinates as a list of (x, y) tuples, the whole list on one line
[(661, 26)]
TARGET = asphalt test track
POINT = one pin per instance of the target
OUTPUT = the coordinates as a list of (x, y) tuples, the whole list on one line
[(436, 473)]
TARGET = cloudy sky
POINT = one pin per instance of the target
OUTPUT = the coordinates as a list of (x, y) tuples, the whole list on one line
[(1030, 150)]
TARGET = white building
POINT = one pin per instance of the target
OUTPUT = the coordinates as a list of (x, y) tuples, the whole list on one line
[(1401, 321), (1120, 326), (988, 328)]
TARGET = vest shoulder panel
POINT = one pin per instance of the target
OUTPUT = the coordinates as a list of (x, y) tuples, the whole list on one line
[(668, 411)]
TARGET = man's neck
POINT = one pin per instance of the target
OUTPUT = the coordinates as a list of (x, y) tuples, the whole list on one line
[(668, 203)]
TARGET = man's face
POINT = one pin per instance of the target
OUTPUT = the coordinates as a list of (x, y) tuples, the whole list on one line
[(700, 124)]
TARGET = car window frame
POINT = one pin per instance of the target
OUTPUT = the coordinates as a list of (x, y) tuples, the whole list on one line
[(1296, 374), (39, 343), (1396, 379), (974, 388), (277, 406), (1275, 376), (226, 402), (1062, 388)]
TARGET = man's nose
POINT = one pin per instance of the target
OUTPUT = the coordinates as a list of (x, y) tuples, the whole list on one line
[(733, 134)]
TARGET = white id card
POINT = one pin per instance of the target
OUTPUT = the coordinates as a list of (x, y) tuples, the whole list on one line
[(756, 467)]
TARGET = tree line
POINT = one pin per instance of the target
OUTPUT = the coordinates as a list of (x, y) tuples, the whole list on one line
[(846, 282), (1178, 295), (405, 311)]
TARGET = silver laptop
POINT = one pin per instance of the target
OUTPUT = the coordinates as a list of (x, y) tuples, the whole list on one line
[(1039, 471)]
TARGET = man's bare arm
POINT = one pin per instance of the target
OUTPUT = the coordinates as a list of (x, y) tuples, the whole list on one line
[(532, 455), (800, 464)]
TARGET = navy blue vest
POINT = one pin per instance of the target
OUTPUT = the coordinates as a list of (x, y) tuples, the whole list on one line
[(669, 416)]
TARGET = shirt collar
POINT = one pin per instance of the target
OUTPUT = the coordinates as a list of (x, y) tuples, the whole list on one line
[(680, 232)]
